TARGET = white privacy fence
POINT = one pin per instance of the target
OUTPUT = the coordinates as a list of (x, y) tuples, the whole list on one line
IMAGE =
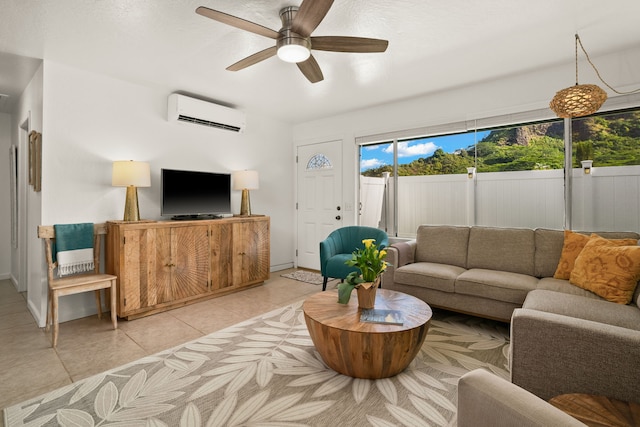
[(607, 199)]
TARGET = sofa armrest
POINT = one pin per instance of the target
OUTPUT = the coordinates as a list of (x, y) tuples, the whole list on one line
[(486, 400), (398, 254), (402, 253), (552, 354)]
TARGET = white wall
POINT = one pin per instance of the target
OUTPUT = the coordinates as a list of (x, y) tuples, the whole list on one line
[(5, 208), (504, 95), (91, 120)]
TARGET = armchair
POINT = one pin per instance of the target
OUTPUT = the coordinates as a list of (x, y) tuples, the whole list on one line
[(340, 244), (486, 400)]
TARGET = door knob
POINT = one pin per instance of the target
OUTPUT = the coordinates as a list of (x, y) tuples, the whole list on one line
[(338, 217), (338, 207)]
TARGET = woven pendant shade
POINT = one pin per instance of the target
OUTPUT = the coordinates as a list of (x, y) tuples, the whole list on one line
[(578, 101)]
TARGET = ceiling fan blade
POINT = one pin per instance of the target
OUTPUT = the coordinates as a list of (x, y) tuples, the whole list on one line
[(311, 70), (234, 21), (253, 59), (349, 44), (309, 16)]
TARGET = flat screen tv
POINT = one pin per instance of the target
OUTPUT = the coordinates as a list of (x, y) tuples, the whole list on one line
[(193, 195)]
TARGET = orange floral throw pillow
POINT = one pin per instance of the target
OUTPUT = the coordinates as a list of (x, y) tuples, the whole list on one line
[(607, 269), (571, 248), (573, 245)]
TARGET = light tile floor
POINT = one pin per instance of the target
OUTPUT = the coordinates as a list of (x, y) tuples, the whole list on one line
[(29, 366)]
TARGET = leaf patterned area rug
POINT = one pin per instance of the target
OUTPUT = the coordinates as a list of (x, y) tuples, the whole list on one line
[(266, 372)]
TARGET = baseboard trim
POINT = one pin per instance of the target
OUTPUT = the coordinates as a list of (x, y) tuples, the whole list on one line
[(40, 320), (279, 267)]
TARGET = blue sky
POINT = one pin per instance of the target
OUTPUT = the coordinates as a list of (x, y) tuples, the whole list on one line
[(377, 155)]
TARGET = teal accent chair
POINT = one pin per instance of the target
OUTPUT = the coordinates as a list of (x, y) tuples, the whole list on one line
[(340, 244)]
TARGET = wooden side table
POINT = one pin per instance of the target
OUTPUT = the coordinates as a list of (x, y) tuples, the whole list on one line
[(598, 411), (366, 350)]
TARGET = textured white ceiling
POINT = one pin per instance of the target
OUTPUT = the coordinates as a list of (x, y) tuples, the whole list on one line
[(433, 46)]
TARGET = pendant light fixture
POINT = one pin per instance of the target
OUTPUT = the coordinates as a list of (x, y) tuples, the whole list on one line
[(581, 100)]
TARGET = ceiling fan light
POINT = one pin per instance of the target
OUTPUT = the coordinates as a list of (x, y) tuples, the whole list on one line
[(292, 47), (293, 53), (578, 101)]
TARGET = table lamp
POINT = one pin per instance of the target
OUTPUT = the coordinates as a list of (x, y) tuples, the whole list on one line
[(130, 174), (245, 181)]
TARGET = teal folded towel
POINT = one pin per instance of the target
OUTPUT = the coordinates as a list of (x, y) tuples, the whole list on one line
[(74, 248)]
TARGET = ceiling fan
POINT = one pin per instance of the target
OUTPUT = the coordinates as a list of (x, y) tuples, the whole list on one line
[(293, 40)]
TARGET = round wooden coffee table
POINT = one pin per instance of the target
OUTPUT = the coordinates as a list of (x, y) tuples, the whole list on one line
[(366, 350)]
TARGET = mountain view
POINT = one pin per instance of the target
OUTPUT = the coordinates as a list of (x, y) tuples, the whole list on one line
[(611, 140)]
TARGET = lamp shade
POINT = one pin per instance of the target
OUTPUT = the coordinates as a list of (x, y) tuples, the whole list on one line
[(245, 180), (128, 172), (578, 101)]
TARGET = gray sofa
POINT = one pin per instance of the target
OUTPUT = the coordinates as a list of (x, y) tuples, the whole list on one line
[(563, 343), (564, 339), (484, 271)]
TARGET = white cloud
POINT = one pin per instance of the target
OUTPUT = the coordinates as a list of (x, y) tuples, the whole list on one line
[(371, 147), (405, 150), (370, 163)]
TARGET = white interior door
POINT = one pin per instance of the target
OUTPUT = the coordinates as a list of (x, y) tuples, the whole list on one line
[(319, 198)]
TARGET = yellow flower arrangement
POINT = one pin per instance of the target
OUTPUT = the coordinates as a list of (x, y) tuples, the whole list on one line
[(370, 261)]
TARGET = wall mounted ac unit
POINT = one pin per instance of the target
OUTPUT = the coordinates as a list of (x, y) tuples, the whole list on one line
[(185, 109)]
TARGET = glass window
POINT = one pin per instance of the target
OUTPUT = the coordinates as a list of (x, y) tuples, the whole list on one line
[(319, 161), (506, 177), (521, 148), (610, 139), (606, 191)]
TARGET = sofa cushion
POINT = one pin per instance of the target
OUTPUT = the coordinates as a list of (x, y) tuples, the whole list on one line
[(561, 285), (548, 249), (428, 275), (497, 285), (502, 249), (442, 244), (608, 270), (616, 234), (596, 310)]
